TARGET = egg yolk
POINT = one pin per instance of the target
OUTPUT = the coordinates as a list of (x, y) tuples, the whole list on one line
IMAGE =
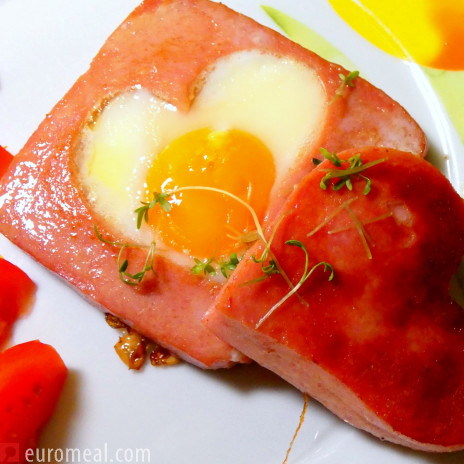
[(204, 223), (433, 38)]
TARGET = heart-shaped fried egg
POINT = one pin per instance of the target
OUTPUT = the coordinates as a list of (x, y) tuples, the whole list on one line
[(246, 127)]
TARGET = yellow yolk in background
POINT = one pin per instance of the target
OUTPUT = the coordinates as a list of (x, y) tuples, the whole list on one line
[(206, 223), (430, 32), (448, 16)]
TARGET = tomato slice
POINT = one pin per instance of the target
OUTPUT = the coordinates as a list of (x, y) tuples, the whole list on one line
[(16, 293), (32, 375), (5, 160)]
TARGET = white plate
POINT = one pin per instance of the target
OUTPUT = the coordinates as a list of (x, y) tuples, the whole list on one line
[(178, 415)]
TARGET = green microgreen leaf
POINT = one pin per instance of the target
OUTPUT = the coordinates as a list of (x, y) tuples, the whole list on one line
[(368, 186), (158, 199), (204, 267), (332, 157), (355, 161), (124, 266), (349, 78), (296, 243), (346, 81), (345, 176), (229, 266)]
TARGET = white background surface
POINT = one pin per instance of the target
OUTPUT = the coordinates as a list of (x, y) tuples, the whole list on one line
[(181, 415)]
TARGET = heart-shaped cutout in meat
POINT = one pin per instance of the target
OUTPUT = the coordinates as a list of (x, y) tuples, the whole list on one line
[(167, 48)]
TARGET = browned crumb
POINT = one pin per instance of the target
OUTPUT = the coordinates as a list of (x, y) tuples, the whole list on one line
[(114, 321), (162, 357), (133, 348)]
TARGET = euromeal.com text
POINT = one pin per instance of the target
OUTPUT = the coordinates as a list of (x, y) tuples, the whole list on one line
[(10, 451)]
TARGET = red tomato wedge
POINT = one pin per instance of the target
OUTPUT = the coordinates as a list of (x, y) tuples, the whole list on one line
[(382, 343), (32, 376), (5, 160), (16, 294), (166, 47)]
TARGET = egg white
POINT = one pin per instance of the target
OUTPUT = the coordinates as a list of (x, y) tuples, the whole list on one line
[(278, 100)]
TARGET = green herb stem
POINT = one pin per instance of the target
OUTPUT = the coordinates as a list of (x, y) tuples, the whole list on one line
[(231, 195), (123, 264), (331, 216), (306, 274), (351, 171)]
